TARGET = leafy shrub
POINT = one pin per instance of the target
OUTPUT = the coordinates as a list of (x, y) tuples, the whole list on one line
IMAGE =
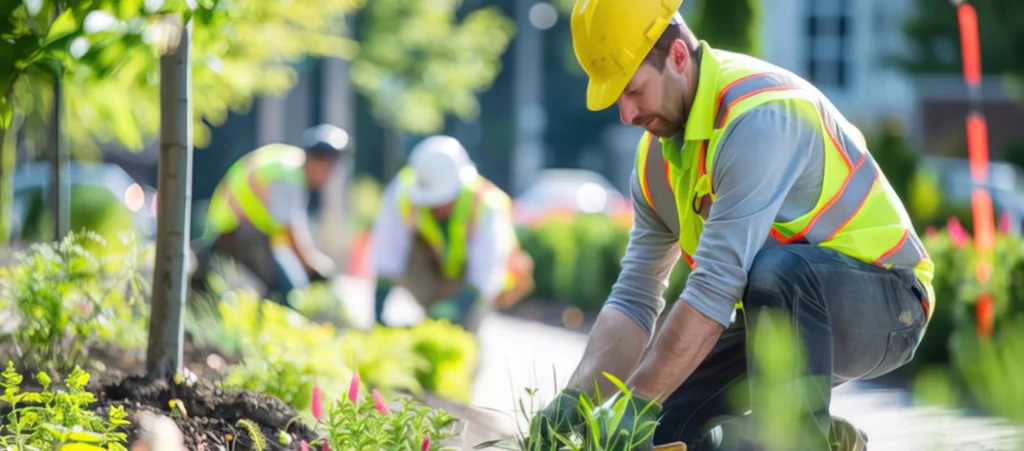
[(92, 208), (384, 357), (451, 354), (578, 259), (285, 354), (48, 419), (65, 301), (957, 290), (320, 303)]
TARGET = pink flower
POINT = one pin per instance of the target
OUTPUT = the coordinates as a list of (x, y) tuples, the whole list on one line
[(317, 408), (1004, 223), (957, 232), (426, 443), (378, 402), (930, 232), (353, 388), (304, 446)]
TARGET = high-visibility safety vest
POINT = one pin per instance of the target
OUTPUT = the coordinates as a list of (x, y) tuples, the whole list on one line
[(475, 199), (242, 194), (857, 213)]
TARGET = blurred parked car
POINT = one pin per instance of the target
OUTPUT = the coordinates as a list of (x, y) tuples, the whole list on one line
[(109, 181), (1005, 183), (566, 193)]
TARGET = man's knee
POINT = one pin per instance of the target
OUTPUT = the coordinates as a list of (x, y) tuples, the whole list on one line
[(776, 278)]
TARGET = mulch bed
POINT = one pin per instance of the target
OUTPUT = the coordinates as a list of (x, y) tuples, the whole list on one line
[(211, 413)]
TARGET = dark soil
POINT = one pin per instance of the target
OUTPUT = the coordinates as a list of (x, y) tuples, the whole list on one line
[(211, 413)]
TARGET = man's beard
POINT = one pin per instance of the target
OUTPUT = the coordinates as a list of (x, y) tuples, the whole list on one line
[(675, 105), (677, 97)]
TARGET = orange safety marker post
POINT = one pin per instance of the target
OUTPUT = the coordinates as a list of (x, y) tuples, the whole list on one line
[(977, 152)]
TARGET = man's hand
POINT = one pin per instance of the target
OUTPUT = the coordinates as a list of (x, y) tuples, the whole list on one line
[(560, 416), (455, 309), (634, 430), (445, 310)]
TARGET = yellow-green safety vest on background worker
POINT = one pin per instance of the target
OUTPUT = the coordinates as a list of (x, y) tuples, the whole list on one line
[(242, 194), (857, 213), (474, 199)]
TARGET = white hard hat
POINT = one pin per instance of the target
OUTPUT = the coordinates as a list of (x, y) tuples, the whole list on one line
[(442, 167)]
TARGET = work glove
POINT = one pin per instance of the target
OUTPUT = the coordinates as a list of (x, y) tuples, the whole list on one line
[(455, 309), (445, 310), (627, 423), (317, 276), (562, 415)]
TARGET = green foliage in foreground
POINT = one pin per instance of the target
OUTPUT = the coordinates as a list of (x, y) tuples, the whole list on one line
[(285, 354), (65, 301), (367, 422), (51, 418)]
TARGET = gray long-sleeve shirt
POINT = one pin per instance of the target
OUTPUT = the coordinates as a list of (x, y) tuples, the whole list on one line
[(769, 167)]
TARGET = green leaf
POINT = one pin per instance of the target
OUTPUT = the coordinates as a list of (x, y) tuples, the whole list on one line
[(614, 380), (50, 66), (85, 437), (6, 113), (64, 25), (44, 380)]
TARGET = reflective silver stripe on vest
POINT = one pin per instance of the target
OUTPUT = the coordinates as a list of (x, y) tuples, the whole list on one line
[(852, 195), (660, 190), (907, 252), (749, 86)]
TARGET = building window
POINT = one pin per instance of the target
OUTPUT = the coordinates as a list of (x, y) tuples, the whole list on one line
[(828, 42)]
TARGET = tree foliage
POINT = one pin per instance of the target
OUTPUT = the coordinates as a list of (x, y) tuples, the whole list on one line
[(733, 25), (934, 36), (417, 62), (240, 49)]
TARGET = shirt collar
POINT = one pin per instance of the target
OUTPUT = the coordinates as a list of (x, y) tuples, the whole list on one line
[(700, 123)]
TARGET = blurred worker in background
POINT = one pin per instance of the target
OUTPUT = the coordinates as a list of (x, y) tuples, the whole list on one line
[(750, 170), (258, 213), (445, 234)]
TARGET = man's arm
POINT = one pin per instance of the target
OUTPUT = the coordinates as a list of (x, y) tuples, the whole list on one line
[(624, 326), (762, 156), (302, 243), (288, 203)]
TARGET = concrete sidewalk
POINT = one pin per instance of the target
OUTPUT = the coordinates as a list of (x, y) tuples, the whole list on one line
[(519, 355)]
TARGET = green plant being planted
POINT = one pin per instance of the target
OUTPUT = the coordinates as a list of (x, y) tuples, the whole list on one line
[(66, 301), (49, 419), (599, 424)]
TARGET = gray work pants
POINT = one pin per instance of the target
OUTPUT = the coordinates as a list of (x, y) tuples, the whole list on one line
[(856, 321), (425, 282), (279, 268)]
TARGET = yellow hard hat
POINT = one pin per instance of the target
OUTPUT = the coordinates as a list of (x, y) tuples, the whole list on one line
[(612, 37)]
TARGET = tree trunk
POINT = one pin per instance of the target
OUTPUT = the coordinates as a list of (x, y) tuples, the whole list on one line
[(394, 156), (8, 158), (60, 183), (8, 152), (166, 322)]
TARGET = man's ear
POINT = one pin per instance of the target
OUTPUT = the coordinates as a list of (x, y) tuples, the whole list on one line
[(678, 55)]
